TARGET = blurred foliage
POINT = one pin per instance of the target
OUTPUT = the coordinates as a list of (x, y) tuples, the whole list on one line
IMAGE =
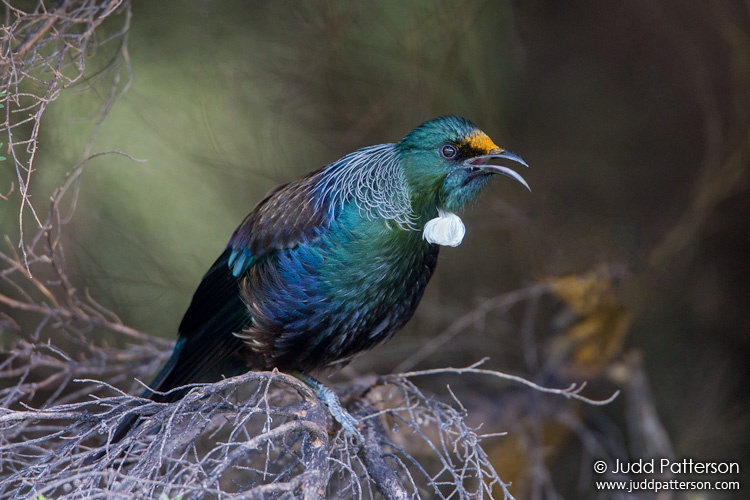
[(634, 116), (593, 325)]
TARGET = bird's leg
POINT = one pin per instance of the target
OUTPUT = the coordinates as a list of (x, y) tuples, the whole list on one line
[(331, 400)]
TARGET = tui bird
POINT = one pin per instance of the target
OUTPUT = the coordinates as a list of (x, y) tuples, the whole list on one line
[(332, 264)]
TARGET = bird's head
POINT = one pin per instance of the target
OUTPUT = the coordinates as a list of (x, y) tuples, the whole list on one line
[(447, 162)]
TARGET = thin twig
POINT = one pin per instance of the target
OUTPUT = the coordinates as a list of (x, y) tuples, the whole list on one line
[(571, 392)]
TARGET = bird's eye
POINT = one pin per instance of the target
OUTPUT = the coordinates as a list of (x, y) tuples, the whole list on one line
[(448, 151)]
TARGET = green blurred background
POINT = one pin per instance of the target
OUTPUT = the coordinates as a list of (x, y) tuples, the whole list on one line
[(634, 117)]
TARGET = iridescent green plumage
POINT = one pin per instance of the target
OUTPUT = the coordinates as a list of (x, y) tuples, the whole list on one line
[(333, 263)]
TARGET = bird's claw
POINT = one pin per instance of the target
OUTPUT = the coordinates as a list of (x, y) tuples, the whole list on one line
[(329, 398), (347, 422), (339, 414)]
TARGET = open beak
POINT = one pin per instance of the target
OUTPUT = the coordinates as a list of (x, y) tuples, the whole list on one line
[(482, 162)]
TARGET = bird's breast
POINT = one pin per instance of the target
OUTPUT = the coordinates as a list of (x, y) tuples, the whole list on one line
[(325, 301)]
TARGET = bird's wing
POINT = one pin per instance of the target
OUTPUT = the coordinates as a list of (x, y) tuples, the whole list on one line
[(285, 218), (288, 216)]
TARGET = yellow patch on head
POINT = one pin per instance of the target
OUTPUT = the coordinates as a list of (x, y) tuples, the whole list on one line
[(480, 141)]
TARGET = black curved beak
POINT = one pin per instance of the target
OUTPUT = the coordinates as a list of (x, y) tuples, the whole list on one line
[(482, 162)]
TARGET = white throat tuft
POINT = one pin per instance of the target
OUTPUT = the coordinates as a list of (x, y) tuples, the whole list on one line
[(446, 229)]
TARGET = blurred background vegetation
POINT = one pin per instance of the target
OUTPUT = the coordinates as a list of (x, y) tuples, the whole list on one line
[(634, 116)]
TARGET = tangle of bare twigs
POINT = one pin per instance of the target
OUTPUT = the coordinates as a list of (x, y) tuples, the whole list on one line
[(252, 435), (44, 50)]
